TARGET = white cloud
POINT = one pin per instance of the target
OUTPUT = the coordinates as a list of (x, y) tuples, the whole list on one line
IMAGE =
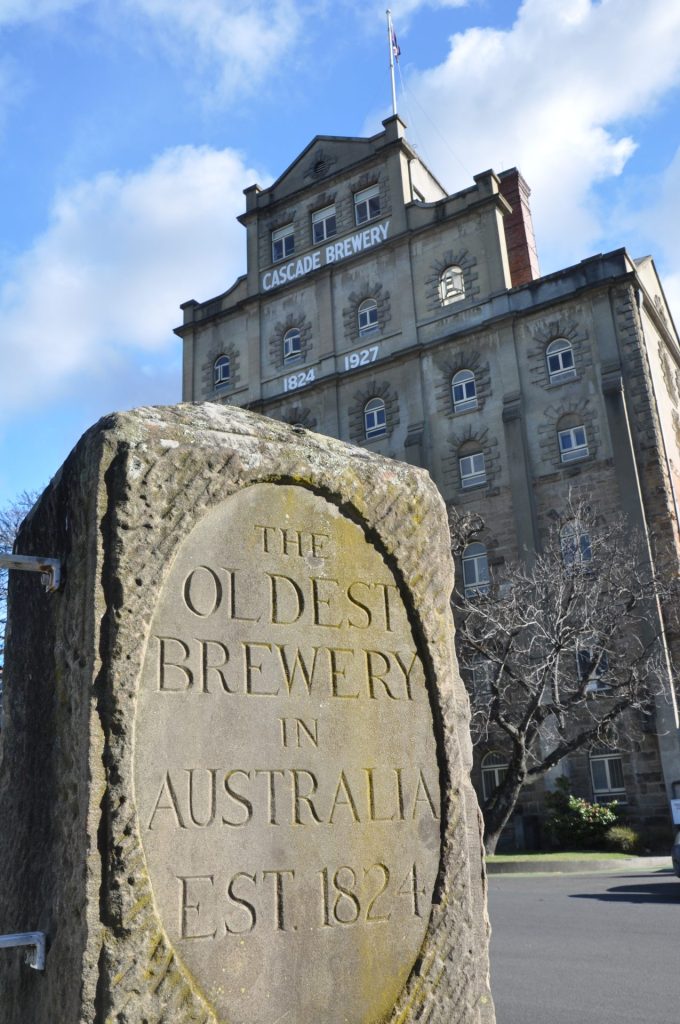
[(238, 45), (235, 45), (549, 95), (104, 281)]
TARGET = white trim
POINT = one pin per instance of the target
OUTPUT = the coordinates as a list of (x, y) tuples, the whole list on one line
[(364, 209), (472, 470), (322, 217), (280, 236), (576, 448)]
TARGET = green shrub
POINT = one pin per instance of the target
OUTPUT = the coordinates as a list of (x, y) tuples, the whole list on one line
[(575, 823), (622, 839)]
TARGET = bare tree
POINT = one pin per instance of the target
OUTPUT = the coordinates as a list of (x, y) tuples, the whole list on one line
[(11, 518), (556, 653)]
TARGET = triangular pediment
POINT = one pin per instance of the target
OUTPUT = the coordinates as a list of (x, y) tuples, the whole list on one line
[(323, 158)]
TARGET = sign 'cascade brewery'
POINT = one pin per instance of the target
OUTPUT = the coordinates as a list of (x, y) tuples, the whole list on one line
[(286, 773), (335, 252)]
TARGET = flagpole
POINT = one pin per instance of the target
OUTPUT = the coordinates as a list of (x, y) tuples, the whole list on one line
[(390, 43)]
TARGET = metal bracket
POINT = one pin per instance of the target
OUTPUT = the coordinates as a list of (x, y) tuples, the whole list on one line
[(50, 568), (35, 955)]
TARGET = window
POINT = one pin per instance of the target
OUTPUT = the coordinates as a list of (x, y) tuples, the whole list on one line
[(451, 285), (606, 773), (573, 444), (221, 372), (592, 664), (283, 243), (324, 224), (292, 345), (481, 679), (472, 470), (367, 204), (560, 359), (375, 421), (368, 316), (494, 769), (475, 570), (575, 544), (464, 391)]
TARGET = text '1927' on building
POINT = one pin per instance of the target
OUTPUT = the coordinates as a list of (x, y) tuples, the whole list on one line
[(378, 309)]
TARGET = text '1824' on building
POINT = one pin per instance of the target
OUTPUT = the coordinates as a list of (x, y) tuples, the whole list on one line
[(378, 309)]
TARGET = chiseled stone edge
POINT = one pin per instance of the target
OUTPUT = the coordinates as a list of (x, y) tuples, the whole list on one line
[(162, 470)]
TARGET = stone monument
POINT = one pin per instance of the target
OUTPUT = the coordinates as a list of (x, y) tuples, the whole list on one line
[(235, 766)]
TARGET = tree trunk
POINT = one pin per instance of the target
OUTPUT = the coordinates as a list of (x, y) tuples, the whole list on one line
[(499, 808)]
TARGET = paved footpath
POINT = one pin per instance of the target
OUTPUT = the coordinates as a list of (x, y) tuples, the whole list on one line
[(596, 948)]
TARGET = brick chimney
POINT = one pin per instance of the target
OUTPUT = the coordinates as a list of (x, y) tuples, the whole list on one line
[(519, 228)]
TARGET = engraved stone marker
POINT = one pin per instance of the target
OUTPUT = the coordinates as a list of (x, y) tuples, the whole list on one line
[(240, 768), (286, 775)]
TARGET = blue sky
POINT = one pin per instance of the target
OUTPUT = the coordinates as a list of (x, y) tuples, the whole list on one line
[(129, 129)]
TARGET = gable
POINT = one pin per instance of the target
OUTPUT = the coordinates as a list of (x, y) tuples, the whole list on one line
[(324, 157)]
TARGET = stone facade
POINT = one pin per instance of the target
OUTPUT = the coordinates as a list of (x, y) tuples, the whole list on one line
[(456, 287)]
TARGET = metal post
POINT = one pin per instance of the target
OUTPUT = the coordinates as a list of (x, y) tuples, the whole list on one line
[(35, 941), (49, 568), (390, 42)]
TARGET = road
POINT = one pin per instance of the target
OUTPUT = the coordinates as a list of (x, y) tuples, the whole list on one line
[(586, 949)]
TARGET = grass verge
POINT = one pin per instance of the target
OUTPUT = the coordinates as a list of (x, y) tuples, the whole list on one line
[(537, 858)]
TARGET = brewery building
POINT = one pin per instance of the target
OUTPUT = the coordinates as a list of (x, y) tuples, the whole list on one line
[(378, 309)]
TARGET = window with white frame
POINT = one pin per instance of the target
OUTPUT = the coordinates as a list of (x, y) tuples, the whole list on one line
[(451, 285), (367, 204), (221, 372), (367, 316), (575, 544), (472, 470), (573, 443), (475, 570), (464, 391), (324, 224), (494, 770), (292, 345), (283, 243), (375, 418), (606, 773), (592, 664), (559, 356)]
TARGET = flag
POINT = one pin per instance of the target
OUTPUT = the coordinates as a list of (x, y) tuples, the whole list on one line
[(396, 51)]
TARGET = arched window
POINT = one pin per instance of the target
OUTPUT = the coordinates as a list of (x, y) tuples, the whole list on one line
[(559, 356), (375, 420), (292, 345), (606, 773), (367, 315), (464, 391), (221, 372), (575, 545), (494, 768), (451, 285), (573, 443), (472, 470), (475, 570)]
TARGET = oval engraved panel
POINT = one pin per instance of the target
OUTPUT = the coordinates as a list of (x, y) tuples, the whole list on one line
[(286, 777)]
